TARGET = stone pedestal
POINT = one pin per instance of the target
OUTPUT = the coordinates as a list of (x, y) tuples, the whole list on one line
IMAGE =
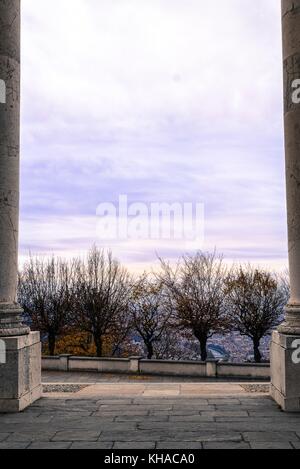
[(285, 371), (20, 372)]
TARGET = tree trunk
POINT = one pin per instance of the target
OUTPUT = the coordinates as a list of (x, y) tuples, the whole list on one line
[(150, 351), (257, 354), (99, 345), (51, 344), (203, 347)]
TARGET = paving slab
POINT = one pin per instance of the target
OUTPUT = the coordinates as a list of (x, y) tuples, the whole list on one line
[(270, 436), (50, 445), (140, 418), (30, 436), (179, 445), (9, 445), (92, 445), (271, 445), (134, 445), (213, 389), (226, 445), (190, 418), (77, 435)]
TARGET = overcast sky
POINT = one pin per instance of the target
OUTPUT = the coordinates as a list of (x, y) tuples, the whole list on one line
[(161, 100)]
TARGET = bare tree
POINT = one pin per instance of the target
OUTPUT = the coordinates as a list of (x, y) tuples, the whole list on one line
[(151, 316), (119, 338), (45, 294), (255, 301), (102, 291), (196, 287), (169, 347)]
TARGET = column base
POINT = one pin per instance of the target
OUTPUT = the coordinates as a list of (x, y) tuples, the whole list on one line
[(285, 371), (11, 321), (20, 372), (291, 325)]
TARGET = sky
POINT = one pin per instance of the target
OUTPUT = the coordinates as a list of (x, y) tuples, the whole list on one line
[(164, 101)]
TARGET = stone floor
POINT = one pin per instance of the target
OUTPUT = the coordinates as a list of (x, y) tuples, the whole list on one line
[(149, 415)]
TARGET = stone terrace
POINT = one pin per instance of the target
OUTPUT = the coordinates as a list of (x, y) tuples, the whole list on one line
[(126, 414)]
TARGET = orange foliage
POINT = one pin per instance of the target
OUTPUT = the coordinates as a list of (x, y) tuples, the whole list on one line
[(81, 344)]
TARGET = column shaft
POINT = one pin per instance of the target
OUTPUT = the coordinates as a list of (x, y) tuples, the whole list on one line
[(285, 368), (10, 320), (291, 67)]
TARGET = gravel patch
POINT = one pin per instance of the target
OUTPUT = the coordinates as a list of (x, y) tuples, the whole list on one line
[(58, 388), (263, 388)]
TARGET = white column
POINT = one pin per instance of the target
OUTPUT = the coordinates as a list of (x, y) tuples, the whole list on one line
[(291, 67), (10, 320), (20, 364), (285, 369)]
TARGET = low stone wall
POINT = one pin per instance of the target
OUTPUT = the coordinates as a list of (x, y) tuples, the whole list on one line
[(209, 369), (172, 368), (244, 370)]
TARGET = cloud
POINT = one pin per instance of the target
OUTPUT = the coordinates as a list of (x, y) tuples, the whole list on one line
[(163, 101)]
